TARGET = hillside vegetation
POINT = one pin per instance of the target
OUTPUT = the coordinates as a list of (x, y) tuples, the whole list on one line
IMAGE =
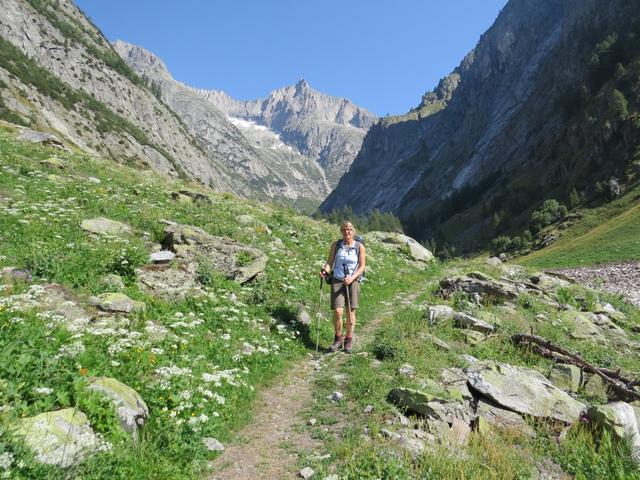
[(196, 361), (198, 338)]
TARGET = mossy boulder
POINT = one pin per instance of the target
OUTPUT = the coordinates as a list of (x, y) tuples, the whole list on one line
[(131, 408), (567, 377), (105, 226), (116, 302), (62, 437)]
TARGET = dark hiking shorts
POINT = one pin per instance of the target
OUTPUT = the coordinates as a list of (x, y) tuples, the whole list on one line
[(338, 295)]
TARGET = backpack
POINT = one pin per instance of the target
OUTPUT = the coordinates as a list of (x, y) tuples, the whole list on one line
[(359, 241)]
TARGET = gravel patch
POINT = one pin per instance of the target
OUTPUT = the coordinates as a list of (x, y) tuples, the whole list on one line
[(617, 278)]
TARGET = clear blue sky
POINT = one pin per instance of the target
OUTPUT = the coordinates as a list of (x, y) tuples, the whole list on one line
[(381, 54)]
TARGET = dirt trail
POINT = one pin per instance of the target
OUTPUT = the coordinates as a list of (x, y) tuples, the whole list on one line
[(267, 447)]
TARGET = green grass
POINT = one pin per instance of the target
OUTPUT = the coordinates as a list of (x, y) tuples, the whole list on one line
[(607, 234), (40, 215), (505, 454)]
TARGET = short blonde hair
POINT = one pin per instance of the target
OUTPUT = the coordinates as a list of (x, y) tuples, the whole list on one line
[(347, 223)]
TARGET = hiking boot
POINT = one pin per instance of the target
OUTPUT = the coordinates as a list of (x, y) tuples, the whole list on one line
[(348, 344), (337, 343)]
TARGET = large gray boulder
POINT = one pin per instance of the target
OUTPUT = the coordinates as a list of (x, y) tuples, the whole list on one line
[(523, 390), (477, 283), (233, 259), (490, 415), (398, 241), (131, 408), (105, 226), (63, 437), (42, 138)]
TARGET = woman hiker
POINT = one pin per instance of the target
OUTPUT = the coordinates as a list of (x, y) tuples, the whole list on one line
[(347, 260)]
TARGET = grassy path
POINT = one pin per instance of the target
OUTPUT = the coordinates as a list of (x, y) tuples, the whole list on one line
[(275, 442)]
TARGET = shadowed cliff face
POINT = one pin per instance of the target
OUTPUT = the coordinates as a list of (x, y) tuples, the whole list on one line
[(495, 120)]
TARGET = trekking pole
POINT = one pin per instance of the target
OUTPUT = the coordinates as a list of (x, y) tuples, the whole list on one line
[(346, 289), (318, 317)]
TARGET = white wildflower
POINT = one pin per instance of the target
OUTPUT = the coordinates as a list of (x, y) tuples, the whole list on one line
[(43, 390)]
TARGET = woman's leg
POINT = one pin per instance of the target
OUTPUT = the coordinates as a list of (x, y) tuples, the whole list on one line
[(351, 322), (337, 321)]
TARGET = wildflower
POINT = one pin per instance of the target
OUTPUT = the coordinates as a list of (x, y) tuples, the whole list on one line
[(43, 390)]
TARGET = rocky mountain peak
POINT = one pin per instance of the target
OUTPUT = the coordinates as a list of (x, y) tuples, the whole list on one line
[(142, 59), (302, 87)]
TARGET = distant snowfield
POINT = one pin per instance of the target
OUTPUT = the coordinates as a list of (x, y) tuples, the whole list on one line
[(260, 135)]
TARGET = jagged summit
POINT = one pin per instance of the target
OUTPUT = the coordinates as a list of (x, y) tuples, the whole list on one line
[(325, 128)]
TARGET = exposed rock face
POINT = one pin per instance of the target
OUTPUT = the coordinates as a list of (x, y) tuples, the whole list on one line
[(619, 419), (326, 129), (105, 226), (254, 156), (496, 122)]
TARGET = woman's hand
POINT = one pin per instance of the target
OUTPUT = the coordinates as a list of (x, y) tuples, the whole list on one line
[(348, 280)]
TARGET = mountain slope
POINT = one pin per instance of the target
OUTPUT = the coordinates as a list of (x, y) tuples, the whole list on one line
[(326, 129), (530, 114), (269, 167)]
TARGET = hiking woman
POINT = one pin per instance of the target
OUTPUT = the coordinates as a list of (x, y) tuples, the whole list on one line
[(346, 263)]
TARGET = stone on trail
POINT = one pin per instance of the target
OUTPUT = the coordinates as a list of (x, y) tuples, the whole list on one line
[(131, 408), (567, 377), (463, 320), (524, 391), (335, 397), (115, 302), (62, 437), (104, 226), (212, 444)]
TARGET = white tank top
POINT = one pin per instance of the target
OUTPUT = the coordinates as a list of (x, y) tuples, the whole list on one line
[(345, 256)]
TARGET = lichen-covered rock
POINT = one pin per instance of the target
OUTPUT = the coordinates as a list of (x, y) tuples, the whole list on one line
[(56, 298), (619, 419), (114, 302), (490, 416), (105, 226), (131, 408), (233, 259), (429, 406), (567, 377), (524, 391), (169, 283), (62, 437), (53, 162), (472, 337), (463, 320), (162, 256), (580, 326), (436, 313), (399, 241), (481, 284)]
